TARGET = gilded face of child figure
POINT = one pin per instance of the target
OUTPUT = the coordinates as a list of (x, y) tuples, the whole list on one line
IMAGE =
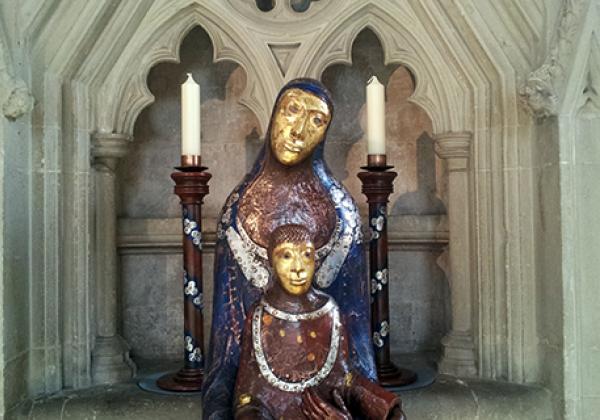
[(298, 126), (294, 265)]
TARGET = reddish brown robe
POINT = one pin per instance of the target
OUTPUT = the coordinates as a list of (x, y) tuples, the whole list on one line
[(296, 351)]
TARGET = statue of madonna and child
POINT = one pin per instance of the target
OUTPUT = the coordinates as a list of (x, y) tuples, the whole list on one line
[(290, 184)]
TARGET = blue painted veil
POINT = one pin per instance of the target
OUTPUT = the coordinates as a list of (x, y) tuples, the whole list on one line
[(241, 275)]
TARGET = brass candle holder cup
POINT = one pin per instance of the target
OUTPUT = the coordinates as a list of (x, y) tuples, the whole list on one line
[(191, 163), (377, 162)]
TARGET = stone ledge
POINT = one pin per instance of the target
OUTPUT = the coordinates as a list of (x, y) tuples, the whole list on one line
[(454, 398), (448, 398), (156, 236)]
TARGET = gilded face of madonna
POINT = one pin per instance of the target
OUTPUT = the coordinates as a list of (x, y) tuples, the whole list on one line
[(298, 126), (294, 265)]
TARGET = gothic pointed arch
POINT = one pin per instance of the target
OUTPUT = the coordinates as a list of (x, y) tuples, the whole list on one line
[(404, 42), (123, 93)]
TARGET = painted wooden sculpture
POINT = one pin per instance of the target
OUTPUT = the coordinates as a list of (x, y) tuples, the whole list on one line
[(295, 357), (289, 183)]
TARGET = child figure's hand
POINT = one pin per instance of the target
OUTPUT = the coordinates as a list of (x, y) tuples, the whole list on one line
[(316, 408)]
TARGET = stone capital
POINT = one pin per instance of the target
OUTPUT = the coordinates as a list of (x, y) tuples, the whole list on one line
[(455, 148), (453, 145), (108, 148)]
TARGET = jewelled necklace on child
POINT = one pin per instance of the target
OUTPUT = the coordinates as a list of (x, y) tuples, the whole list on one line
[(259, 353)]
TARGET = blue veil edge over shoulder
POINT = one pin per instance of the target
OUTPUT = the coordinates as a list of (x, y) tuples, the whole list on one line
[(344, 278)]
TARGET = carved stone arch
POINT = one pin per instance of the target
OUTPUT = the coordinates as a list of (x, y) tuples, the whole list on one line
[(405, 42), (111, 89), (124, 93)]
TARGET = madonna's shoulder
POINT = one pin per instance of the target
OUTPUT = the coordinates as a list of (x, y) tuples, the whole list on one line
[(252, 309)]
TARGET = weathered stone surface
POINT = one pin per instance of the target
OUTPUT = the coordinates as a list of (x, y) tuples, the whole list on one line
[(448, 398), (459, 358), (532, 202), (15, 317), (153, 304), (15, 96), (110, 357), (419, 301)]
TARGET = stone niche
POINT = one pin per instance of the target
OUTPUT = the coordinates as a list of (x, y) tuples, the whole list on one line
[(149, 245)]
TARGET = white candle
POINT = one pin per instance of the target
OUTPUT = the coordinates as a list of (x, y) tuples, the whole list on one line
[(190, 117), (375, 117)]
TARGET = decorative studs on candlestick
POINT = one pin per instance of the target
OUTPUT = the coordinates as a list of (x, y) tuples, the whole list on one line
[(377, 185), (191, 185)]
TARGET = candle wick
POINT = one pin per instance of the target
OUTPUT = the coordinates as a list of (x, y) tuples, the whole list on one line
[(190, 78)]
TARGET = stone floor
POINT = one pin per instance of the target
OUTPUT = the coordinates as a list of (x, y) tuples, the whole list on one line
[(447, 398)]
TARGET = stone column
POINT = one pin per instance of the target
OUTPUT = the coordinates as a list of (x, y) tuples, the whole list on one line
[(459, 350), (110, 357)]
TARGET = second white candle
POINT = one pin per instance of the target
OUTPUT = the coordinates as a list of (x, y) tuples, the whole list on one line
[(375, 117), (190, 117)]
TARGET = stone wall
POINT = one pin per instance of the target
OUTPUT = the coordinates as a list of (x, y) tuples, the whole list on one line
[(585, 166), (529, 273), (16, 232), (15, 310), (151, 299), (152, 313)]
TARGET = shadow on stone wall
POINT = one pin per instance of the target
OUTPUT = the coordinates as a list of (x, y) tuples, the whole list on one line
[(144, 175), (419, 170), (347, 85), (422, 201)]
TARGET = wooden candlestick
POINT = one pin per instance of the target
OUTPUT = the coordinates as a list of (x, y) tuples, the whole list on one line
[(377, 185), (191, 185)]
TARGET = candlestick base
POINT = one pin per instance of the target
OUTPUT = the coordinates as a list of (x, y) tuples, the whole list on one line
[(391, 376), (186, 380)]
